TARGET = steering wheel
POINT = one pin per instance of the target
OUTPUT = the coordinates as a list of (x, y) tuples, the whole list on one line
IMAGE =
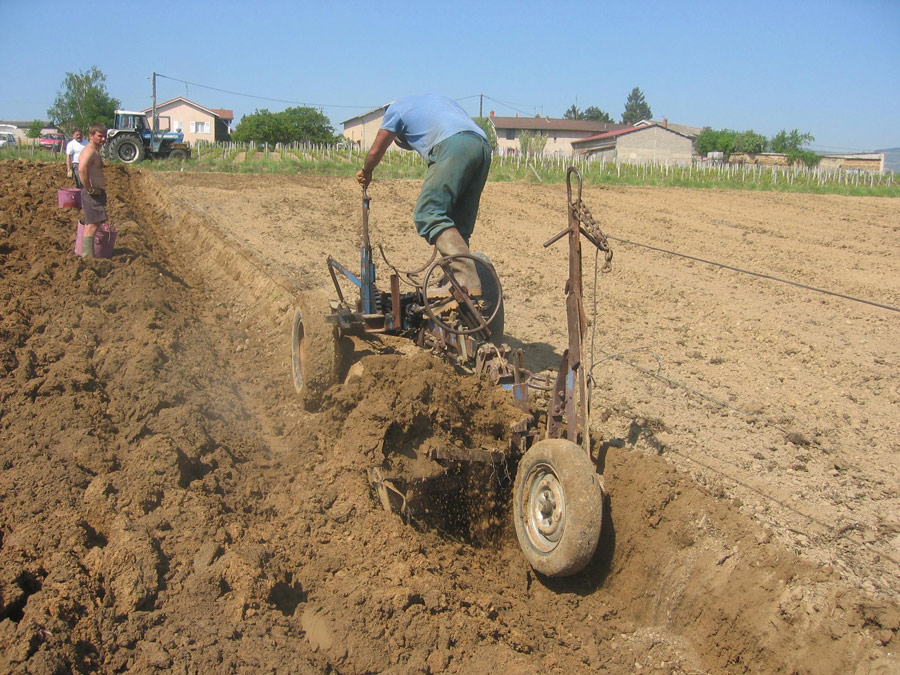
[(444, 265)]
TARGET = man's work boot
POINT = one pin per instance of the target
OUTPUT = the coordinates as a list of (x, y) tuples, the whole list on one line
[(87, 247), (451, 242)]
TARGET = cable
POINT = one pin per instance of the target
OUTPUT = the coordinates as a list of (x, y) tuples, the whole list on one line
[(757, 274), (511, 105), (263, 98), (833, 532), (322, 105)]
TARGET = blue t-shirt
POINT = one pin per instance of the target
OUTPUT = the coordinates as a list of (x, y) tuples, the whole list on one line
[(421, 122)]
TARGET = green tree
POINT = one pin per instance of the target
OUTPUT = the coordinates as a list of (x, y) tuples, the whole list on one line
[(595, 114), (302, 125), (791, 144), (262, 127), (590, 113), (307, 125), (784, 142), (34, 129), (573, 113), (532, 144), (751, 142), (83, 100), (488, 129), (636, 108), (728, 141), (705, 142)]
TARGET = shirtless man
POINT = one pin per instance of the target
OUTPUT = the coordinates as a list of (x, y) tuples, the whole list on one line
[(93, 191)]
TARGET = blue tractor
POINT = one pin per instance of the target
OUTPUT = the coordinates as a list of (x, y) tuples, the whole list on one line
[(131, 140)]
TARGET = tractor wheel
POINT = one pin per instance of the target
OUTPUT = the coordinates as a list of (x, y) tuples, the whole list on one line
[(492, 295), (179, 153), (315, 353), (557, 507), (127, 149)]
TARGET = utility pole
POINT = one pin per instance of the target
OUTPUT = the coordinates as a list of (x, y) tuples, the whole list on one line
[(153, 113), (481, 105)]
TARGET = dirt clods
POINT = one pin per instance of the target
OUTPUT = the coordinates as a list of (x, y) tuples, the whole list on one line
[(167, 504)]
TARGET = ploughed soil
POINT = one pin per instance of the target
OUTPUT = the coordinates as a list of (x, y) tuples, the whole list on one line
[(167, 504)]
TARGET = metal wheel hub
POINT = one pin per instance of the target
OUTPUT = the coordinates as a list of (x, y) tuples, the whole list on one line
[(545, 512)]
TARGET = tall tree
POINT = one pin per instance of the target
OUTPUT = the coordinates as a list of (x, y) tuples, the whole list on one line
[(573, 113), (301, 124), (750, 141), (636, 108), (307, 125), (791, 144), (488, 129), (83, 100), (262, 127), (34, 129), (594, 113), (784, 142)]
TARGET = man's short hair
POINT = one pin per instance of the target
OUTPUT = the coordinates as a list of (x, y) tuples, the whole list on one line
[(96, 127)]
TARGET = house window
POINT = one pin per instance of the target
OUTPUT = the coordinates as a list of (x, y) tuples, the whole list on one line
[(510, 134), (178, 126), (199, 127)]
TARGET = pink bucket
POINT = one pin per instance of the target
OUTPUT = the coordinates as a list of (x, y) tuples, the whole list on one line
[(69, 198), (104, 240)]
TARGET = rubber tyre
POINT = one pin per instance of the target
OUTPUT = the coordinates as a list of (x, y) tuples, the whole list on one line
[(179, 154), (491, 293), (127, 149), (559, 475), (315, 352)]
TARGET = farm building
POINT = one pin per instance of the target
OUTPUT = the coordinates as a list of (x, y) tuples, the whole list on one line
[(561, 134), (196, 122), (857, 161), (861, 161), (683, 129), (361, 129), (637, 145)]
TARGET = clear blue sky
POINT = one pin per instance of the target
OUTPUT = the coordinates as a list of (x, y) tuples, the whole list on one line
[(827, 67)]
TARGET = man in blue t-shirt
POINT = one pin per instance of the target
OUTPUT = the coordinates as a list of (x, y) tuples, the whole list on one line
[(458, 156)]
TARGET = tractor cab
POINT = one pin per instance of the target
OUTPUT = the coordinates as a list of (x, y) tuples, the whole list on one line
[(131, 139)]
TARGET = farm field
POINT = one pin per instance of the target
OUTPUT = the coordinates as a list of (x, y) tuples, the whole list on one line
[(167, 504)]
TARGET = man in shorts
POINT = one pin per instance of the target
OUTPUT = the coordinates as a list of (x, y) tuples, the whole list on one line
[(93, 191), (458, 156)]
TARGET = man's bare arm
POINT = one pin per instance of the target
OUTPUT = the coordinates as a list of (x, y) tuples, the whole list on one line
[(383, 140)]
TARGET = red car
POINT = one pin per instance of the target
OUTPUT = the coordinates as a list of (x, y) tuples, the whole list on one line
[(53, 142)]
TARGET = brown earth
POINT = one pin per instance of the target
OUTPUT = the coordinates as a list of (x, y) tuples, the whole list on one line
[(167, 504)]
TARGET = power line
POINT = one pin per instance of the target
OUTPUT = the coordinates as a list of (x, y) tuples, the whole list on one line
[(263, 98), (757, 274), (656, 374), (512, 105)]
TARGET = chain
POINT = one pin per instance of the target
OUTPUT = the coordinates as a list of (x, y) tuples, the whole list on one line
[(583, 214)]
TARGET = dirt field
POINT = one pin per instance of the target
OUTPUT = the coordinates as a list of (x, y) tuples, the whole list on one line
[(167, 504)]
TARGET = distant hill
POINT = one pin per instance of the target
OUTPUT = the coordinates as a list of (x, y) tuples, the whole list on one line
[(891, 159)]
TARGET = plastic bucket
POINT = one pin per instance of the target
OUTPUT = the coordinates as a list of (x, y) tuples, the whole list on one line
[(104, 240), (69, 198)]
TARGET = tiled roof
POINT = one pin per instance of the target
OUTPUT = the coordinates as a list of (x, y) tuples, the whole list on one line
[(368, 112), (551, 124), (622, 132), (220, 113)]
